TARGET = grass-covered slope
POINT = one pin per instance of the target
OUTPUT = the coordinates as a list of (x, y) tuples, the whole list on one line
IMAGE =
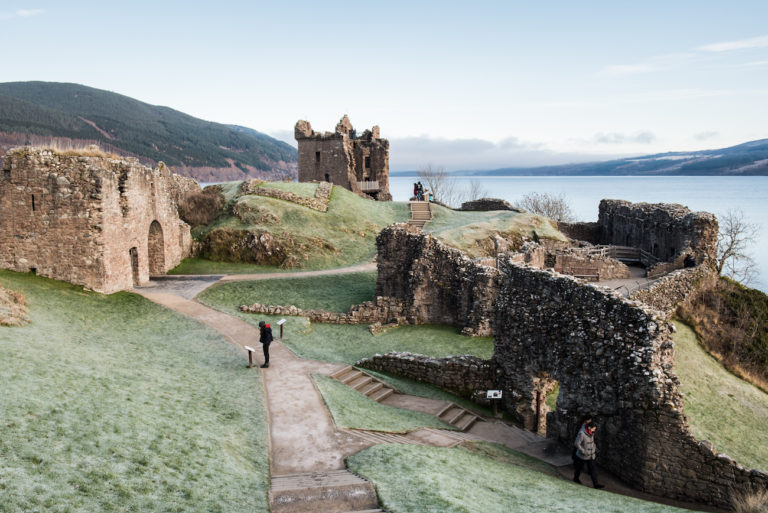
[(721, 407), (479, 477), (300, 236), (332, 342), (112, 403), (157, 133), (473, 232), (351, 409)]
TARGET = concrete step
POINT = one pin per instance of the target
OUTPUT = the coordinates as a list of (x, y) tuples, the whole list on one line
[(350, 377), (466, 421), (382, 394), (361, 382), (457, 416), (341, 372), (333, 491), (372, 388)]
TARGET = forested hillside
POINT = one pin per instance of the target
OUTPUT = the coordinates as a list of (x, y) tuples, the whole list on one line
[(33, 112)]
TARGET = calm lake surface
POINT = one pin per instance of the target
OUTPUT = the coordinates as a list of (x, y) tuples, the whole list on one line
[(716, 194)]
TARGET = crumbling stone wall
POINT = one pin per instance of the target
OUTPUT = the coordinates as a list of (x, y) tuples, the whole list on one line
[(436, 283), (571, 261), (488, 204), (103, 223), (344, 158), (464, 375), (588, 232), (612, 357), (383, 310), (319, 202), (663, 230), (669, 292)]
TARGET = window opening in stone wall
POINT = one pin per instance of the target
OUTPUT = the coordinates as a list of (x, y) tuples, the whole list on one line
[(671, 252), (317, 157), (656, 250), (327, 178), (33, 270), (7, 174), (367, 162), (134, 255), (33, 203), (156, 250), (545, 393), (123, 189)]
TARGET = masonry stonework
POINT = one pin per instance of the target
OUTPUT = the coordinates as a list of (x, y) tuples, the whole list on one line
[(358, 163), (106, 224)]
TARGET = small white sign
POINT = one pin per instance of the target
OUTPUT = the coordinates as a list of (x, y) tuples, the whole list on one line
[(249, 349), (493, 394), (281, 322)]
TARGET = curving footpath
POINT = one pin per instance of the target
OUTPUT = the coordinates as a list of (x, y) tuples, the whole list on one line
[(307, 451)]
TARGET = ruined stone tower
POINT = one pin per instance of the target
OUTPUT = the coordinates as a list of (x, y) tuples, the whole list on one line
[(360, 164), (106, 224)]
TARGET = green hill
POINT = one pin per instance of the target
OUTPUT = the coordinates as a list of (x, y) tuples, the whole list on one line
[(198, 148)]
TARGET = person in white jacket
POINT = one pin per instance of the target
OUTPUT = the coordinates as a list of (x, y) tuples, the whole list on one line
[(586, 452)]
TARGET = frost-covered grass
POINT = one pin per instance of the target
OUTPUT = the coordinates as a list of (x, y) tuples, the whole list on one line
[(338, 343), (481, 477), (351, 409), (333, 293), (722, 408), (113, 403)]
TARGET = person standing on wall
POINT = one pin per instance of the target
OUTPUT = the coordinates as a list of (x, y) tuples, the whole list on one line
[(265, 337), (586, 452)]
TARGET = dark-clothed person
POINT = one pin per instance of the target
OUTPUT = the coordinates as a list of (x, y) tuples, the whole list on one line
[(265, 337), (586, 452)]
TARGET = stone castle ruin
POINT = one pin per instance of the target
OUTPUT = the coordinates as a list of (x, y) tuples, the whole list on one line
[(611, 355), (358, 163), (106, 224)]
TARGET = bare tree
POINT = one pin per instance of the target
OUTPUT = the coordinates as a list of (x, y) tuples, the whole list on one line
[(439, 183), (735, 236), (554, 206), (474, 192)]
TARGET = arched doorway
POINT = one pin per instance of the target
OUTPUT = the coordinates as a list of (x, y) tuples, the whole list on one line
[(134, 255), (156, 250)]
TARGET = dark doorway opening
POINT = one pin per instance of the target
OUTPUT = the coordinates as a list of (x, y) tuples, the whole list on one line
[(156, 250), (134, 254)]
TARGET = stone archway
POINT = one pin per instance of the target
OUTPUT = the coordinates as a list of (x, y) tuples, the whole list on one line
[(156, 250)]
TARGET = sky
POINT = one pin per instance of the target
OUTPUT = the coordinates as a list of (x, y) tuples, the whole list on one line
[(463, 85)]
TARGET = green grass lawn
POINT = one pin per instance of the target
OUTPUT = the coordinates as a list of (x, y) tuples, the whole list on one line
[(332, 342), (113, 403), (470, 231), (351, 409), (722, 408), (479, 477), (333, 293), (349, 227)]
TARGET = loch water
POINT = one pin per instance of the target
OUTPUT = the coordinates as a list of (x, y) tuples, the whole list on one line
[(716, 194)]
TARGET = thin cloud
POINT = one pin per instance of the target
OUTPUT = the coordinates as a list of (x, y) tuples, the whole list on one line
[(642, 137), (628, 69), (741, 44), (21, 13), (703, 136)]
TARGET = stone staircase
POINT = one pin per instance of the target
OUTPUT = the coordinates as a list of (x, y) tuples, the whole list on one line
[(363, 383), (420, 214), (458, 417), (331, 491)]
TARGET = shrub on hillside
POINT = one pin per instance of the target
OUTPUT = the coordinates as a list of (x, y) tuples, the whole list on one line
[(202, 208), (13, 308), (732, 322)]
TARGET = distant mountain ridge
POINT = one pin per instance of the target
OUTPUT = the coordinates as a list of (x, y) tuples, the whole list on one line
[(40, 112), (747, 159)]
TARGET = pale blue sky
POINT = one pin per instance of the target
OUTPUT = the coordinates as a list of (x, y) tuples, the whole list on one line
[(462, 84)]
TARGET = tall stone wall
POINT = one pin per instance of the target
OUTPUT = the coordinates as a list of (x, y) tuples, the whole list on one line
[(589, 232), (612, 357), (103, 223), (663, 230), (670, 291), (344, 158), (435, 283)]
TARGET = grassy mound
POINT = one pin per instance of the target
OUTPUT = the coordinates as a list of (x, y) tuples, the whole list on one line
[(299, 237), (473, 232), (479, 477), (338, 343), (112, 403), (351, 409), (722, 408)]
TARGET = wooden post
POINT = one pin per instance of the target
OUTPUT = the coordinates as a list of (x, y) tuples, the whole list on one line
[(280, 323)]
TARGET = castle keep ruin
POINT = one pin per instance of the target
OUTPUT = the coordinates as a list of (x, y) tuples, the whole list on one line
[(358, 163), (106, 224)]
